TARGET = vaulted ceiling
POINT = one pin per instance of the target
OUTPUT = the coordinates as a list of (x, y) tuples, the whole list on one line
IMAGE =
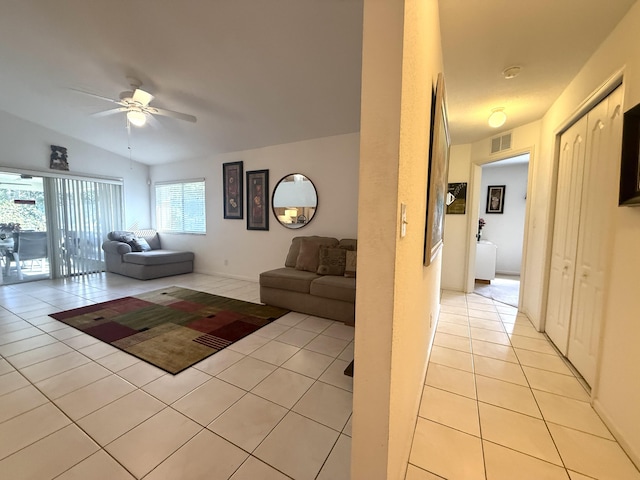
[(258, 73)]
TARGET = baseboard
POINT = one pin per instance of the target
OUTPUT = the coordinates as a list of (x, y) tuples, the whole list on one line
[(228, 275), (633, 455), (504, 272)]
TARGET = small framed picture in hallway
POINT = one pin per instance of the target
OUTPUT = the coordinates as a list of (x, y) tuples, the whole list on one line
[(495, 198)]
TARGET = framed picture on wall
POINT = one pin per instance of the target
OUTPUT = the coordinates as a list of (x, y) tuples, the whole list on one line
[(437, 179), (495, 198), (457, 199), (232, 178), (258, 200)]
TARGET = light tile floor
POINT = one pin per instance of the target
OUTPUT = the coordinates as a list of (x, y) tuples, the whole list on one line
[(500, 404), (503, 288), (272, 406)]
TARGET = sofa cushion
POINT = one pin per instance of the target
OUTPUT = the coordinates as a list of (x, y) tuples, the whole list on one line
[(309, 255), (350, 267), (294, 249), (348, 244), (332, 261), (120, 236), (337, 288), (157, 257), (139, 245), (288, 279), (151, 236)]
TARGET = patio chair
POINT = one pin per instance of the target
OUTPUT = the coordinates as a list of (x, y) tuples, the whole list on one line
[(28, 246)]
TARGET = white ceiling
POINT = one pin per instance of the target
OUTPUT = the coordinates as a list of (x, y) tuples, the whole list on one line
[(550, 39), (260, 73)]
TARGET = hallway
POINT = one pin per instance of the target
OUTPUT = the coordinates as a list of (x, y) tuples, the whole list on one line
[(500, 404)]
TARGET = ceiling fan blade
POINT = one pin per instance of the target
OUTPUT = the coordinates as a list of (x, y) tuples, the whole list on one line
[(171, 113), (142, 97), (97, 96), (151, 120), (109, 112)]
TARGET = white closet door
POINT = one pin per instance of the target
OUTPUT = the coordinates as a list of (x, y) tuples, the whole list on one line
[(599, 202), (565, 233)]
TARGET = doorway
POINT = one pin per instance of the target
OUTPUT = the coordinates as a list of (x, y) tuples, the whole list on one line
[(24, 242), (501, 225)]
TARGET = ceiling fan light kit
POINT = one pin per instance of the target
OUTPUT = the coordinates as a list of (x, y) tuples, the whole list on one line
[(136, 105), (136, 117), (497, 118)]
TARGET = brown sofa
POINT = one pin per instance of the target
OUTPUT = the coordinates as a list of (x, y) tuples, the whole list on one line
[(299, 287)]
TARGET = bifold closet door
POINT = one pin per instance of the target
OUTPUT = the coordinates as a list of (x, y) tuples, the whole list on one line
[(565, 233), (598, 206), (585, 205)]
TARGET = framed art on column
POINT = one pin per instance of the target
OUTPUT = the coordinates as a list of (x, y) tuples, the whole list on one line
[(438, 172), (232, 190)]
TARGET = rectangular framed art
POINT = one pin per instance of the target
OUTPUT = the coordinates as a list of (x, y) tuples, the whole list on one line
[(232, 190), (258, 200), (438, 172), (458, 196), (495, 198)]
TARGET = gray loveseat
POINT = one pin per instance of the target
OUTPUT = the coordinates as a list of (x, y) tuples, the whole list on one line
[(140, 255), (313, 279)]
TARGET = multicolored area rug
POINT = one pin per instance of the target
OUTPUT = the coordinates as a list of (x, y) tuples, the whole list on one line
[(172, 328)]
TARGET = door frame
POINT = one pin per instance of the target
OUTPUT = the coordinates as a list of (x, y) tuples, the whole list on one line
[(475, 180)]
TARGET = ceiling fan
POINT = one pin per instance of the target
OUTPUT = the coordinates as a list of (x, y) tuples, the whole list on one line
[(135, 103)]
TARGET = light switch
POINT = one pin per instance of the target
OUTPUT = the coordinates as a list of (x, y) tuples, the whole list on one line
[(403, 220)]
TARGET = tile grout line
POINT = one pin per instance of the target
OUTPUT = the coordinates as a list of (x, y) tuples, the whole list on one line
[(475, 386), (564, 466), (111, 372)]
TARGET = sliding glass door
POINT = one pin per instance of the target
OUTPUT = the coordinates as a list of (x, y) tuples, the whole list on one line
[(24, 238), (54, 226), (82, 212)]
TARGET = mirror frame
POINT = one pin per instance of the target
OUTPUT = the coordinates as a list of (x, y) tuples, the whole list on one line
[(298, 224)]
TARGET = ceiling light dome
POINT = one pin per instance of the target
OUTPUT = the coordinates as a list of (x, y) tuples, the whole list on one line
[(137, 117), (497, 117)]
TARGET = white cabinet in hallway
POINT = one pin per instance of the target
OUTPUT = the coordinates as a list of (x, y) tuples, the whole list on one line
[(587, 194), (486, 253)]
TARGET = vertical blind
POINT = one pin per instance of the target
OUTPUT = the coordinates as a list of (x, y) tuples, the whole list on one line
[(81, 213), (180, 207)]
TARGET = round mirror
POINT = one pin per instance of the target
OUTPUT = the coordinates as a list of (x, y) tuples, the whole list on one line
[(294, 201)]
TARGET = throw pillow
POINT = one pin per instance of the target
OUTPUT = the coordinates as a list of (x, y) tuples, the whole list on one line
[(332, 261), (139, 245), (350, 267), (120, 236), (308, 256)]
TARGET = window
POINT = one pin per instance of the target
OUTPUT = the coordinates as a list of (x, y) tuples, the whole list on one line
[(180, 207)]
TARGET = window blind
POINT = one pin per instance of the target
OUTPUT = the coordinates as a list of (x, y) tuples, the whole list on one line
[(81, 213), (180, 207)]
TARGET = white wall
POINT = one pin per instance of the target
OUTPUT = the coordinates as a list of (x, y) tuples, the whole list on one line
[(332, 165), (454, 253), (506, 230), (27, 145), (458, 258), (396, 295), (617, 389)]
